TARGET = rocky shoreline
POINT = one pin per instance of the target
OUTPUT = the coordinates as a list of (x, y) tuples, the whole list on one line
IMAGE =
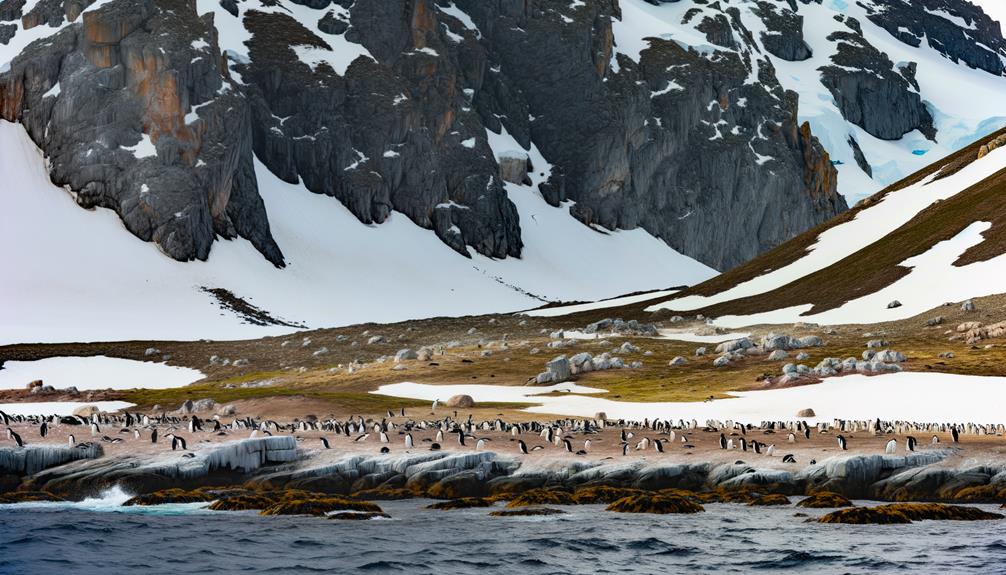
[(277, 463)]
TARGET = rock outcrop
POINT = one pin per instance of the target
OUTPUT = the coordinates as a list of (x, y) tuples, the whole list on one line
[(144, 107)]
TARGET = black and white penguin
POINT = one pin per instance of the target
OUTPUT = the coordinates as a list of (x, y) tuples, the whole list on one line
[(788, 458), (461, 438), (480, 445), (658, 445), (43, 429), (17, 438), (177, 442), (325, 443), (806, 432), (363, 437), (586, 445), (956, 435), (625, 449), (384, 437), (434, 446), (744, 444), (842, 443), (936, 440), (723, 441), (71, 440), (756, 446), (892, 446), (567, 445), (408, 441), (153, 436), (522, 446), (910, 443), (385, 449)]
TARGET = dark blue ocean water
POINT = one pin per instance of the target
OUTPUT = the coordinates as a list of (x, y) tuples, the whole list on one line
[(100, 537)]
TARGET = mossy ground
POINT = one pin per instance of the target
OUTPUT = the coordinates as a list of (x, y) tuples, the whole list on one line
[(908, 512), (660, 504), (825, 500)]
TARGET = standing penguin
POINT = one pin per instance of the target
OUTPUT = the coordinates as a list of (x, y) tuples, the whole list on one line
[(910, 443), (658, 445), (723, 441), (153, 436), (892, 446), (522, 446), (43, 429), (843, 443), (956, 435), (408, 441), (71, 440), (325, 443)]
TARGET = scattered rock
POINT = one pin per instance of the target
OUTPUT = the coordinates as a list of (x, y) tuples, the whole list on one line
[(894, 304), (462, 401), (151, 351), (806, 413), (968, 306), (406, 354), (662, 504), (677, 361), (777, 355), (825, 500)]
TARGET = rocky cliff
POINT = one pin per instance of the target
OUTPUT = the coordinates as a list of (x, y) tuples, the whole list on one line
[(159, 109)]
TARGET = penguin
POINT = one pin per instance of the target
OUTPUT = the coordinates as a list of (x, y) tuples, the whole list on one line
[(385, 449), (440, 436), (625, 449), (362, 437), (892, 446), (756, 446), (71, 440), (153, 436), (95, 430), (586, 445), (770, 451), (567, 445), (17, 438), (480, 445), (43, 430), (791, 438), (806, 432), (658, 445), (788, 458), (436, 402), (910, 443), (325, 443), (434, 447), (723, 441), (955, 434), (177, 442), (730, 443), (522, 446), (461, 438), (843, 443), (936, 440), (744, 444), (136, 434), (384, 437), (408, 441)]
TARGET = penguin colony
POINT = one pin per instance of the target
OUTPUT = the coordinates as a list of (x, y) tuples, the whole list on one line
[(570, 435)]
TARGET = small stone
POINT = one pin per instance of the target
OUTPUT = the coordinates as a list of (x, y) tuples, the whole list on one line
[(677, 361)]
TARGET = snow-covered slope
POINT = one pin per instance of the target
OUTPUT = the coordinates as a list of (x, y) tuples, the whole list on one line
[(935, 238), (74, 275), (965, 103)]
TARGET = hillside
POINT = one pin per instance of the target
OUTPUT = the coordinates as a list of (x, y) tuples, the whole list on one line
[(933, 238)]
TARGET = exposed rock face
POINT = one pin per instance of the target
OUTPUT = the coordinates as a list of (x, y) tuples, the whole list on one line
[(871, 91), (143, 108), (784, 34), (913, 22)]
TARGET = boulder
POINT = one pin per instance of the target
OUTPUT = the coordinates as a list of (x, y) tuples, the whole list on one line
[(677, 361), (405, 354), (559, 369), (777, 355), (806, 413), (894, 304), (463, 401), (85, 410), (722, 361), (734, 345), (968, 306)]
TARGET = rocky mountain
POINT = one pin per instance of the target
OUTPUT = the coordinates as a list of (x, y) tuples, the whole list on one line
[(933, 240), (697, 122)]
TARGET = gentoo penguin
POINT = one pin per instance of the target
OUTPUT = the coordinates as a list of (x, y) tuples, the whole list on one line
[(910, 443), (71, 440), (625, 449), (177, 442), (436, 402), (791, 438), (461, 438), (586, 445), (325, 443), (566, 443), (522, 446), (842, 442), (623, 436), (385, 449), (17, 438), (723, 441), (43, 429), (730, 443), (153, 436), (770, 451), (788, 458), (5, 418), (136, 434), (955, 434), (936, 440), (658, 445), (744, 444), (806, 432), (440, 436), (95, 430), (892, 446), (384, 437), (408, 441), (362, 437), (403, 412), (434, 447), (756, 446), (481, 444)]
